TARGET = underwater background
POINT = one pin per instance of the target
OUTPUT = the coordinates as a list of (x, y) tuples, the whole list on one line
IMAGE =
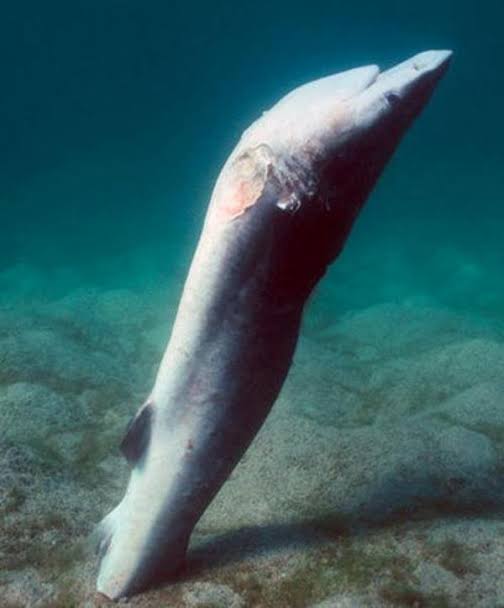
[(386, 447)]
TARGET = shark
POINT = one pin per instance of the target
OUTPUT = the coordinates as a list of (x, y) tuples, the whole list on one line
[(280, 213)]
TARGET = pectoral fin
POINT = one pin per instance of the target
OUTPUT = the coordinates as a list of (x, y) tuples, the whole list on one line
[(137, 437)]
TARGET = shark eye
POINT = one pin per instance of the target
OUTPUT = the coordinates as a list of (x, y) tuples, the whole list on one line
[(392, 98)]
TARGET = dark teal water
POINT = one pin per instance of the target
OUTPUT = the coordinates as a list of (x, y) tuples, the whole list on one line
[(116, 116)]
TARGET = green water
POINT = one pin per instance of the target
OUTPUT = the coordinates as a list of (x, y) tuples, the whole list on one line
[(116, 117)]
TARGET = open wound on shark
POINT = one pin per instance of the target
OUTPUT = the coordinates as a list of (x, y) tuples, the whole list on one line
[(281, 211)]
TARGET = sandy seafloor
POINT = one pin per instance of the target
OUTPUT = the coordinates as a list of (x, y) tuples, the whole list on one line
[(376, 481)]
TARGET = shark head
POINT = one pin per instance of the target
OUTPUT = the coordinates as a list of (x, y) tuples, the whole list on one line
[(326, 117), (317, 154)]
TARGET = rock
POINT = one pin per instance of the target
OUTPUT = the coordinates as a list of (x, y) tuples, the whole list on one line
[(368, 474), (480, 408), (433, 579), (380, 365), (409, 385), (65, 359)]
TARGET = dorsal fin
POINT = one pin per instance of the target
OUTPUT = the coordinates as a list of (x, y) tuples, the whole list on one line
[(137, 436)]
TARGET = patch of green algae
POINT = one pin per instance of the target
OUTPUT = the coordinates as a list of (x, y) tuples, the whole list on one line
[(23, 543), (336, 567), (296, 580), (14, 499), (370, 563), (453, 556), (64, 599), (406, 596)]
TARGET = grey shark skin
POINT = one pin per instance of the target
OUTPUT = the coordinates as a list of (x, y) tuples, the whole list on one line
[(280, 212)]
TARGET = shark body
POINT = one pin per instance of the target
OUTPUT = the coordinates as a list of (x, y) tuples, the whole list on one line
[(280, 213)]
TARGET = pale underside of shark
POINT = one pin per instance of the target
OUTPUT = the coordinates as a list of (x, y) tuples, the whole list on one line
[(281, 210)]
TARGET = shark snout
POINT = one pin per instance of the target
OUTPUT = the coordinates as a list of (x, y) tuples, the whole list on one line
[(407, 85), (425, 67), (351, 84), (426, 62), (398, 95)]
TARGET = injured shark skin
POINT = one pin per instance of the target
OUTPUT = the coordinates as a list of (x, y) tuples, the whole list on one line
[(280, 213)]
